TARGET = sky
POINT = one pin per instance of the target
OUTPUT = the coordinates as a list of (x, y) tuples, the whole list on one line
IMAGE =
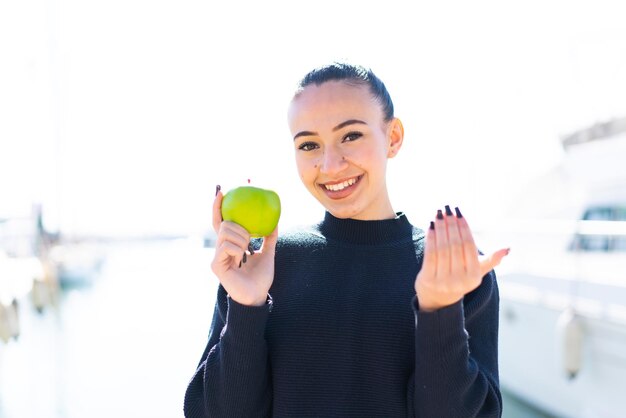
[(120, 117)]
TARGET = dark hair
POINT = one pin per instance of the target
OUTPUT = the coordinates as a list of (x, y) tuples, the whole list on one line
[(351, 74)]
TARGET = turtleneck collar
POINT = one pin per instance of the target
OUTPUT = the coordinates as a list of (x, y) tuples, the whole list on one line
[(375, 232)]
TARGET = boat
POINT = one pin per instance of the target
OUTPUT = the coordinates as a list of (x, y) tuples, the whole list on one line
[(17, 275), (562, 339), (43, 263), (19, 269)]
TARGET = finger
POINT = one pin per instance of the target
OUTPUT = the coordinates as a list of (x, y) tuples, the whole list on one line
[(457, 258), (429, 265), (470, 252), (229, 251), (230, 231), (443, 251), (269, 243), (489, 263), (217, 209)]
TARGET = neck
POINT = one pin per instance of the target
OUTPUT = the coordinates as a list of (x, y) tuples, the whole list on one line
[(367, 232), (379, 209)]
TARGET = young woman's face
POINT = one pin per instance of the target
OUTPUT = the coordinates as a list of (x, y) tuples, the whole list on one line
[(342, 144)]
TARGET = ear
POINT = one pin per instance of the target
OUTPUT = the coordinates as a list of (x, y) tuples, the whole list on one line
[(395, 133)]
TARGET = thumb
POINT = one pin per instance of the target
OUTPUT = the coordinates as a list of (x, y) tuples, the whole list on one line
[(489, 263), (217, 209), (269, 242)]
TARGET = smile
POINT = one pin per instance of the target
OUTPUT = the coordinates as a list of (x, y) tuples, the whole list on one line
[(341, 189), (341, 186)]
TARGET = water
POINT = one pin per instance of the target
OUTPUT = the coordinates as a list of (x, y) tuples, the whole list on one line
[(124, 346)]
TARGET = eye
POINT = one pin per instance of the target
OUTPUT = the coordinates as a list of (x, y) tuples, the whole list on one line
[(352, 136), (308, 146)]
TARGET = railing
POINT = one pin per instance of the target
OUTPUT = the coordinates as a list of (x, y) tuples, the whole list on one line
[(562, 264)]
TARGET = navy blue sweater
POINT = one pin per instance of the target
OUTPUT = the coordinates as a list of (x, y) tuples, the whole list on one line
[(343, 336)]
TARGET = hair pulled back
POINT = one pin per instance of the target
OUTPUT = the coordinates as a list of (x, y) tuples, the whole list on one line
[(351, 74)]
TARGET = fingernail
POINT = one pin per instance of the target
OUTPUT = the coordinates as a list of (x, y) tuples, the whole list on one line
[(432, 225), (240, 264), (508, 250), (251, 248), (217, 189), (245, 257), (448, 211), (439, 214), (458, 212)]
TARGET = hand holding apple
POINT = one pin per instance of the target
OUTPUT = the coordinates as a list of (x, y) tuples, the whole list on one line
[(246, 283)]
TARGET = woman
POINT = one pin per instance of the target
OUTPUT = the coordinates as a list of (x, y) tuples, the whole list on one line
[(362, 315)]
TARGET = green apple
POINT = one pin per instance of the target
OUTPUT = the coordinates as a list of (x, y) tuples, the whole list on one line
[(254, 208)]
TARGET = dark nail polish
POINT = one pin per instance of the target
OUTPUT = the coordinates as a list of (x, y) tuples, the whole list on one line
[(217, 189), (432, 225), (458, 213), (448, 210), (245, 257), (251, 248), (439, 214), (240, 264)]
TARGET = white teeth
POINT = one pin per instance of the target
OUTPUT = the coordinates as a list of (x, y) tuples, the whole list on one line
[(340, 186)]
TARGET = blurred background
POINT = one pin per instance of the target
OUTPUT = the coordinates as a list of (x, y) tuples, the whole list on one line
[(117, 120)]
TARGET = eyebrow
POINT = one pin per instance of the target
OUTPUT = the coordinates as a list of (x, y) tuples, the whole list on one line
[(335, 129)]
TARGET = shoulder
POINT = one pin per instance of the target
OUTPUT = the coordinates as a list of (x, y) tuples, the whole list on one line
[(419, 240), (300, 237)]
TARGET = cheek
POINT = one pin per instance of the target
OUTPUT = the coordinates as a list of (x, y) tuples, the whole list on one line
[(306, 169), (367, 158)]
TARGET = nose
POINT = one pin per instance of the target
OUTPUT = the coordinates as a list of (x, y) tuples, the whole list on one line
[(333, 162)]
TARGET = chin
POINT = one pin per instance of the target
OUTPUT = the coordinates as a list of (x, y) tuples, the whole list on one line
[(343, 213)]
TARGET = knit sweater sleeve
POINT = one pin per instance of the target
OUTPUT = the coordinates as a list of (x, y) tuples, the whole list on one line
[(232, 378), (456, 364)]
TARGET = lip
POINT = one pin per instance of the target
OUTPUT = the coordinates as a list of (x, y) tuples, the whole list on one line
[(340, 194)]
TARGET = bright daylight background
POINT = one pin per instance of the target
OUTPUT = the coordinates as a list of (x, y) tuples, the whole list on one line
[(120, 117)]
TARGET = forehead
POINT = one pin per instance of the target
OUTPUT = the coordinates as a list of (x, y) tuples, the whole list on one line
[(333, 102)]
